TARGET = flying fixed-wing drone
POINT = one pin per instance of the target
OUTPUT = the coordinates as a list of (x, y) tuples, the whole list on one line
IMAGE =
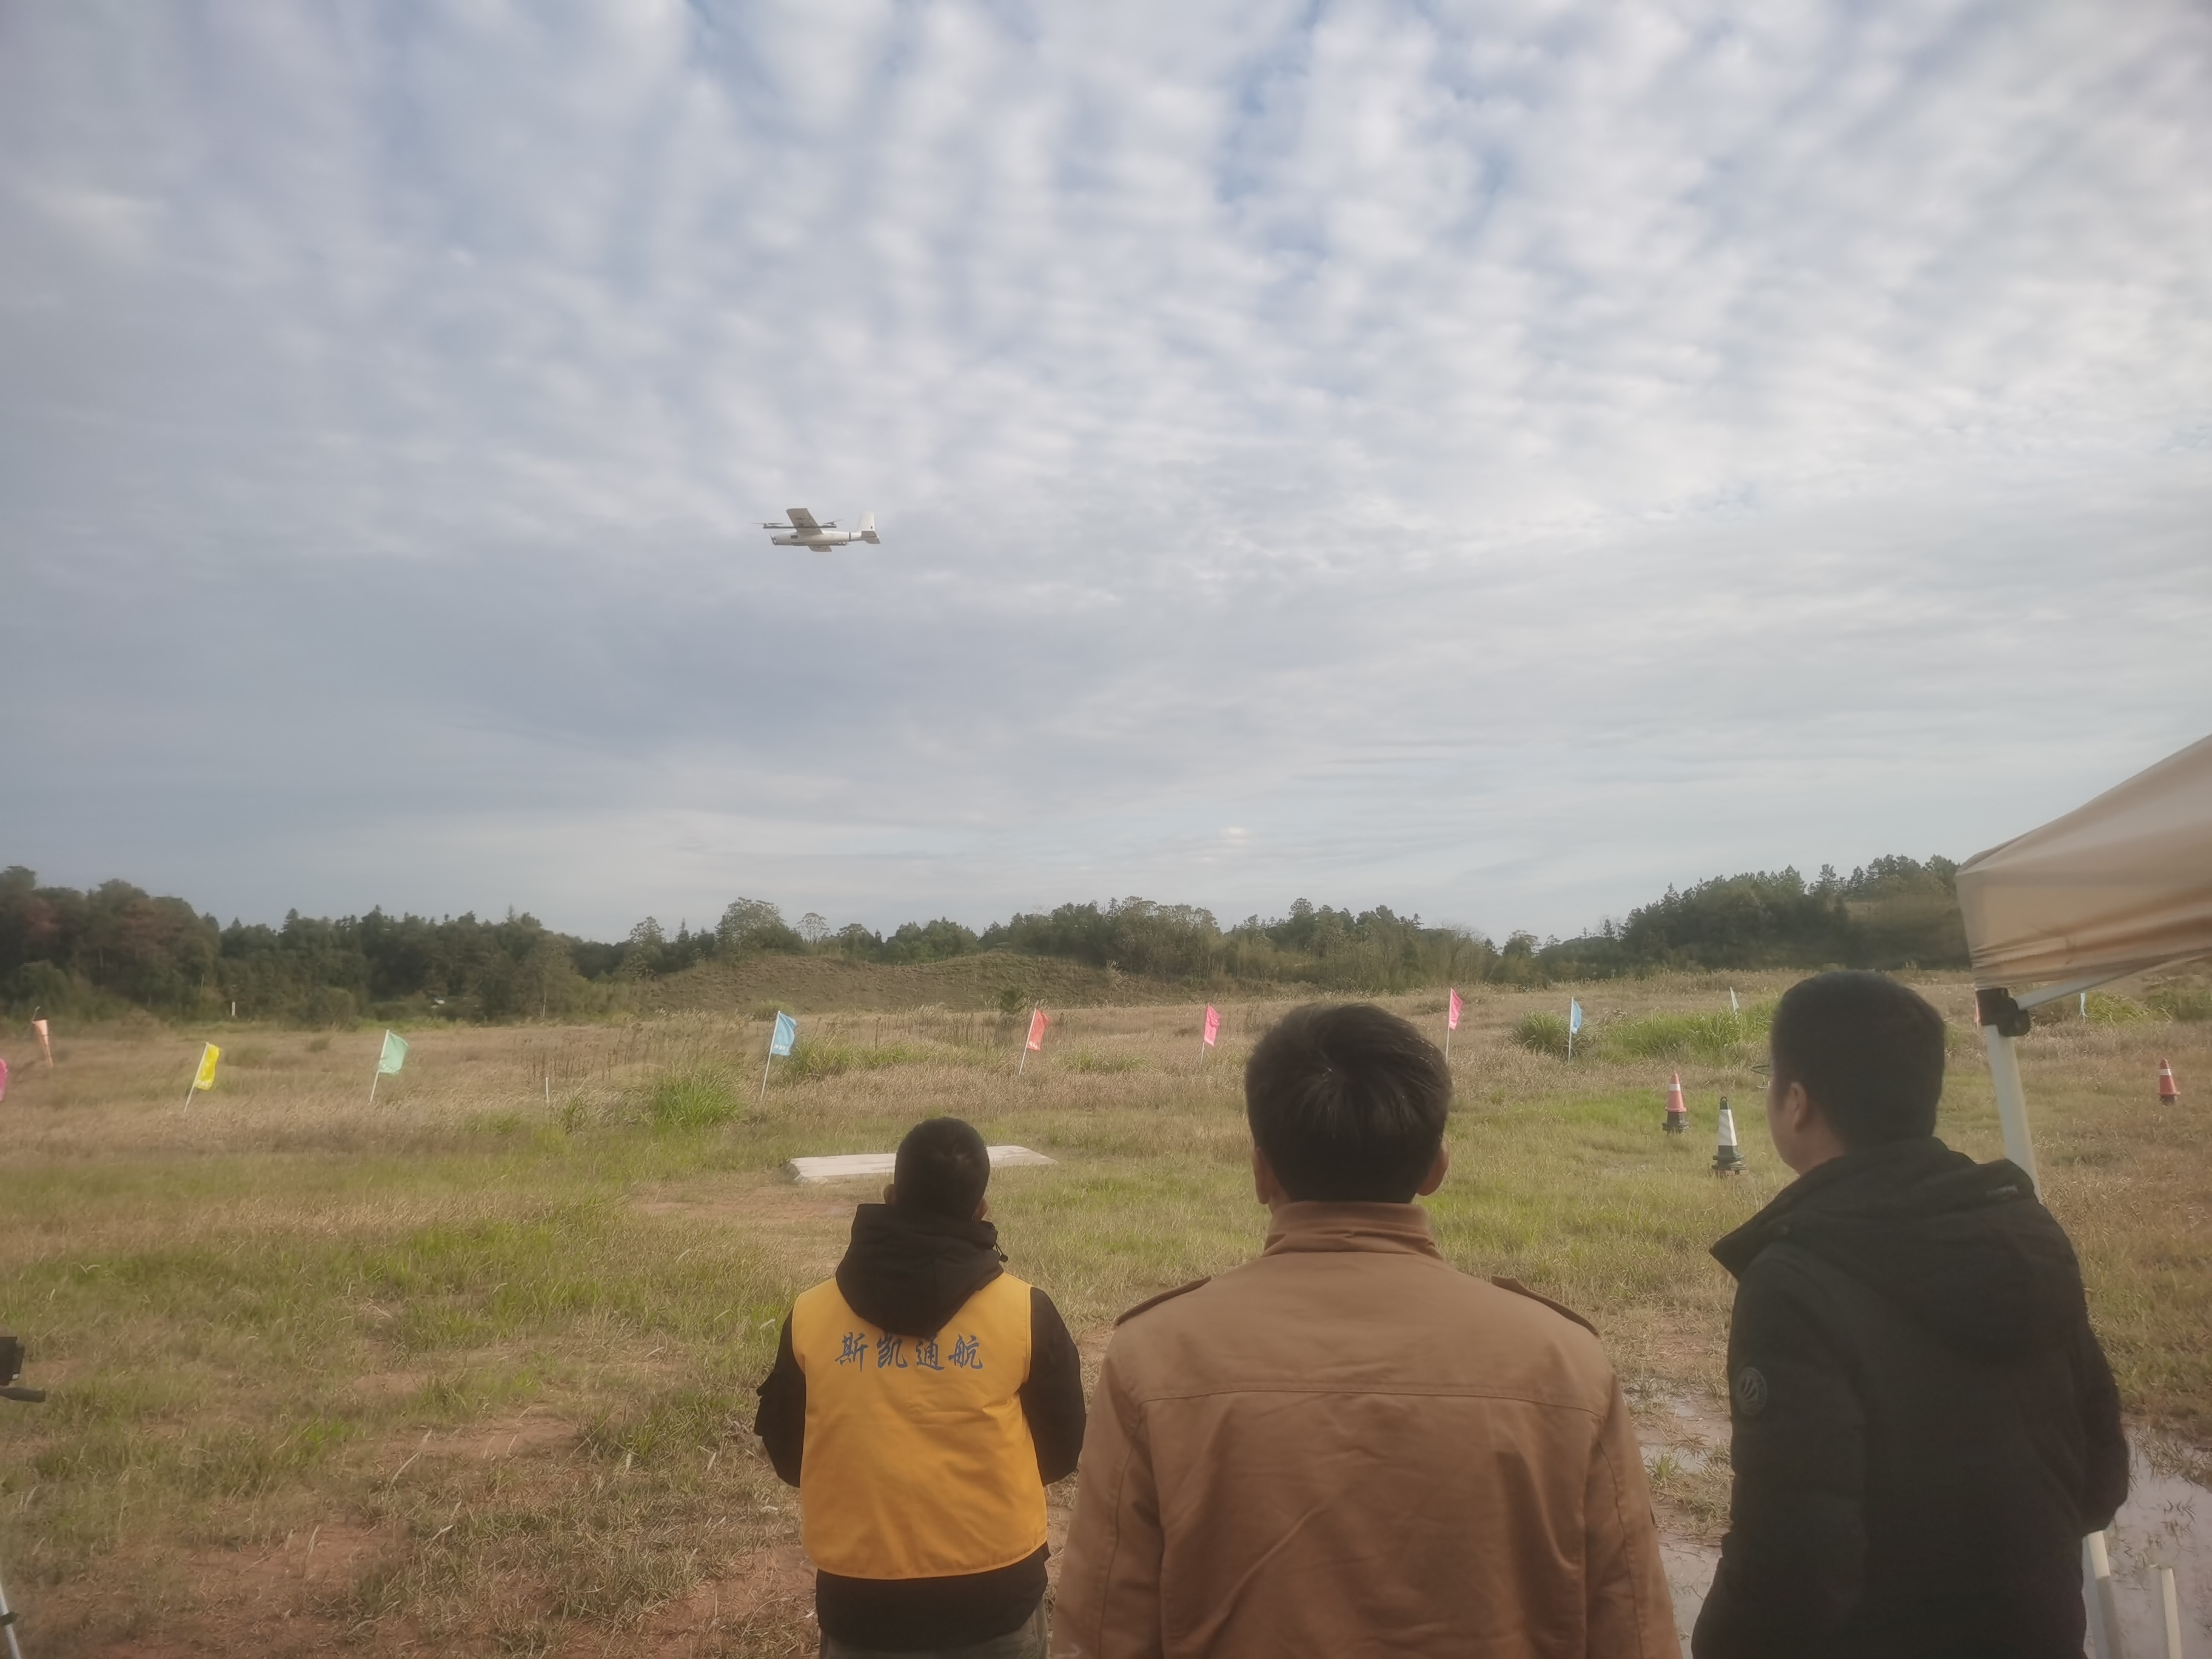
[(805, 532)]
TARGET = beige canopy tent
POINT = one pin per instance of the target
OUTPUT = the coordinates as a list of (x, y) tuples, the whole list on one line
[(2122, 884), (2114, 887)]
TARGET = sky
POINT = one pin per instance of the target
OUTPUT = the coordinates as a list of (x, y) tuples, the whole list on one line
[(1494, 461)]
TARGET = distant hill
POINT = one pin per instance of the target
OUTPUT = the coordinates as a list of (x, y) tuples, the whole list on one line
[(988, 980), (116, 947)]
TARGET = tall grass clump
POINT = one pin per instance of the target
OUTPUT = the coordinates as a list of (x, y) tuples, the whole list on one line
[(2104, 1010), (695, 1096), (1719, 1037), (1543, 1032), (1089, 1060), (821, 1057), (2189, 1002)]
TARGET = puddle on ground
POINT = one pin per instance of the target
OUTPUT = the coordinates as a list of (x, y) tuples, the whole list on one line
[(2166, 1521)]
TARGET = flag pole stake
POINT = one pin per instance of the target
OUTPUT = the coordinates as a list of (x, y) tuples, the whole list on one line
[(193, 1083)]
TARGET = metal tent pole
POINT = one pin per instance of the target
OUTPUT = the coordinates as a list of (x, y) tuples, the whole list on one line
[(8, 1626), (2002, 1020), (2012, 1099), (2104, 1605)]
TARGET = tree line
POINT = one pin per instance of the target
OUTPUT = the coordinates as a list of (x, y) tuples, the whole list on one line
[(1892, 912), (114, 946)]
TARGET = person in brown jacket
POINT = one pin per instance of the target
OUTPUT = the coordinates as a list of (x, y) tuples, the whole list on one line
[(1347, 1447)]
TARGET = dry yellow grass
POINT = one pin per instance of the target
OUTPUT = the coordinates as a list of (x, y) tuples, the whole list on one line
[(470, 1370)]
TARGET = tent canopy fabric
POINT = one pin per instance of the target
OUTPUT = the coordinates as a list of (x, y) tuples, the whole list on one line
[(2122, 884)]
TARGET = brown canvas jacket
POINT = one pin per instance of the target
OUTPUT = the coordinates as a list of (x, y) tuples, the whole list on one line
[(1347, 1447)]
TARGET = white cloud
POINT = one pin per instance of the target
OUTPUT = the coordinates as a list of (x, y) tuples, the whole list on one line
[(1501, 458)]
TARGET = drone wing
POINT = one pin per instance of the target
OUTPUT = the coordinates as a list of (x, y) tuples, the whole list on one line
[(801, 519)]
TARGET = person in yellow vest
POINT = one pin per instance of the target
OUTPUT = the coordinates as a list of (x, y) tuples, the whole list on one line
[(921, 1401)]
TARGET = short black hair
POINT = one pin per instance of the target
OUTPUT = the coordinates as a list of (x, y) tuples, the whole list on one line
[(942, 1168), (1868, 1051), (1348, 1102)]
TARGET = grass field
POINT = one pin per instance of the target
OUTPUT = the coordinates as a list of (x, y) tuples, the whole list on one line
[(470, 1370)]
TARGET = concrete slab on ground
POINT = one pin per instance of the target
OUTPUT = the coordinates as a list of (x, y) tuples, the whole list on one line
[(877, 1166)]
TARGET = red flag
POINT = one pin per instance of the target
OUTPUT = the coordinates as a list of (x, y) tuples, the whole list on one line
[(1451, 1023), (1213, 1024), (1037, 1023)]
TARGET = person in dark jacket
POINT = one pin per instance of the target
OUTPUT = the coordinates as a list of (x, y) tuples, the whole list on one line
[(921, 1401), (1924, 1425)]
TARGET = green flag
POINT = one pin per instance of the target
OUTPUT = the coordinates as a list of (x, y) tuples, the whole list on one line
[(394, 1056)]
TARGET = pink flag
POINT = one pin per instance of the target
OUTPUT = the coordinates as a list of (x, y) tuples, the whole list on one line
[(45, 1047), (1037, 1023), (1451, 1021), (1213, 1024), (3, 1079)]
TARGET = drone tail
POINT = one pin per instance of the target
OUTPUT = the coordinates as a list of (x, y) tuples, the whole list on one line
[(868, 530)]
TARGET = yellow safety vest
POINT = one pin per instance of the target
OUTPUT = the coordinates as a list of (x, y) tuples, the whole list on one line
[(918, 1460)]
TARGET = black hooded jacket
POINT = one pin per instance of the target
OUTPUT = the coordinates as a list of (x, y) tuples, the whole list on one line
[(909, 1274), (1924, 1425)]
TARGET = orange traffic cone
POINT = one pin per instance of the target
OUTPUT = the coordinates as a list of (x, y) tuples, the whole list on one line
[(2167, 1093), (1677, 1115)]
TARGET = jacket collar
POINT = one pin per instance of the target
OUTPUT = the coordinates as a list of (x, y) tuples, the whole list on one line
[(1842, 1182), (1401, 1229)]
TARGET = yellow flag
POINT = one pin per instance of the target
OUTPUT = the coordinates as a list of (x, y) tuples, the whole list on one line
[(206, 1078)]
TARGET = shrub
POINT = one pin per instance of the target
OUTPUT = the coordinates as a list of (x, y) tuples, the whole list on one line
[(2190, 1002), (693, 1097), (816, 1057), (2104, 1010), (41, 985), (1544, 1033), (813, 1057), (1719, 1037)]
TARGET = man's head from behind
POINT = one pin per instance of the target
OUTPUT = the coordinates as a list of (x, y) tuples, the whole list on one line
[(941, 1170), (1865, 1051), (1347, 1104)]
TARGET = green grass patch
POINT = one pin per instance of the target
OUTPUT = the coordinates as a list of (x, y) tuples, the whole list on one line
[(1722, 1037), (1543, 1033), (2103, 1009), (1089, 1060), (2184, 1002), (505, 1338), (697, 1096), (812, 1059)]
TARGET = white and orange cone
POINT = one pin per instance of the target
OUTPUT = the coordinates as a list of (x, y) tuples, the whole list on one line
[(1678, 1115), (2169, 1093), (1727, 1160)]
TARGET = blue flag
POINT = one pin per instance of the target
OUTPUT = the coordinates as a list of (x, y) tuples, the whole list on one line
[(786, 1033), (1574, 1015)]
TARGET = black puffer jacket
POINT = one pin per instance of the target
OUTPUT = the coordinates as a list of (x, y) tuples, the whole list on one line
[(1924, 1424)]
